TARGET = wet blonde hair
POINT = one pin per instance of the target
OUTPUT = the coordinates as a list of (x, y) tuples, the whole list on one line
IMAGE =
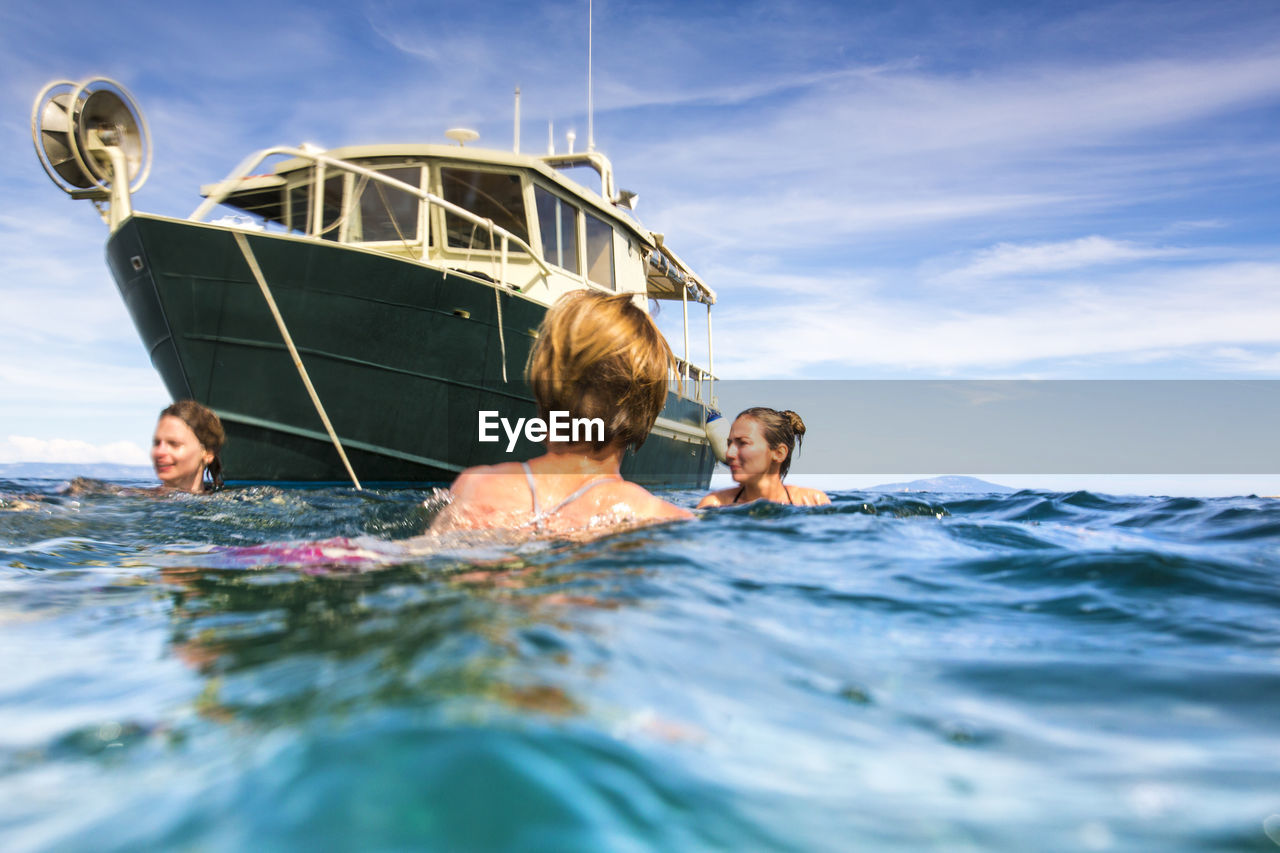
[(601, 356), (785, 427), (208, 431)]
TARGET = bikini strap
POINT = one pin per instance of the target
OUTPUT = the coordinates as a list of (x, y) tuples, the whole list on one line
[(742, 489), (540, 517), (533, 490), (577, 493)]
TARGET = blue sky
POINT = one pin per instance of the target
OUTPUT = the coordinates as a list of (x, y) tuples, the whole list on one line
[(878, 190)]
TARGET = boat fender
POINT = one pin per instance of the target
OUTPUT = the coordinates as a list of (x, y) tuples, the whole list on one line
[(718, 434)]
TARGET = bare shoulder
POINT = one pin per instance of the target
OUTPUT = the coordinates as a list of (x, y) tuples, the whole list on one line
[(802, 496), (647, 505), (483, 479), (484, 496), (723, 497)]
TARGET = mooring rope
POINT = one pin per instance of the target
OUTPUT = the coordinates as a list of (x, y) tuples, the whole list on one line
[(497, 298), (293, 351)]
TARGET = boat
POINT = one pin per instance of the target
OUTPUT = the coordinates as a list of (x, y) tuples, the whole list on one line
[(356, 309)]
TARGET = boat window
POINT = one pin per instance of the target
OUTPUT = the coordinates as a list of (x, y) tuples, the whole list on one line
[(489, 195), (558, 225), (582, 174), (600, 252), (300, 208), (386, 213), (332, 213), (266, 204)]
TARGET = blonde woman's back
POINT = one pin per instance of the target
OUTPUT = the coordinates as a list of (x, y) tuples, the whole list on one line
[(595, 357)]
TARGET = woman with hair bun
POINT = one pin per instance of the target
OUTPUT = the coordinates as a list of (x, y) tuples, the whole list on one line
[(761, 444), (185, 448)]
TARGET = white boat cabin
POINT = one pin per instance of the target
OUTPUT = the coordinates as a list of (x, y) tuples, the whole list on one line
[(400, 200)]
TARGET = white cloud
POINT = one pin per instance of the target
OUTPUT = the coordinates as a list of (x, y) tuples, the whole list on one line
[(63, 386), (1116, 320), (22, 448), (69, 318), (903, 149), (1198, 225), (1246, 360), (1009, 259), (794, 221)]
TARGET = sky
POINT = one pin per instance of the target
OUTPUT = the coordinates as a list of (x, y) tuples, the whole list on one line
[(912, 190)]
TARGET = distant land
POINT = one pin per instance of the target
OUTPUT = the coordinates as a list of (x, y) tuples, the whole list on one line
[(952, 485), (68, 470), (112, 471)]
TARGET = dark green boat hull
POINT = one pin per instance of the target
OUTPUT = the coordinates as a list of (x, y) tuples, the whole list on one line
[(403, 356)]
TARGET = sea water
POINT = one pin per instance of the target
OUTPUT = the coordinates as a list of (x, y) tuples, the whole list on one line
[(269, 669)]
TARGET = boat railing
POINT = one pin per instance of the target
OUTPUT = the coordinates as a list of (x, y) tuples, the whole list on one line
[(497, 234), (693, 383)]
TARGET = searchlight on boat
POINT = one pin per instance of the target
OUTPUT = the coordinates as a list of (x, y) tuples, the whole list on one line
[(93, 142)]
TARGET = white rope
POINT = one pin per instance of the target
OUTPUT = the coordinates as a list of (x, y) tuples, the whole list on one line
[(293, 351), (497, 299)]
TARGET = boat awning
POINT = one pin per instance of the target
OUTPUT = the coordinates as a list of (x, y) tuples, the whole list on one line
[(668, 277), (257, 194)]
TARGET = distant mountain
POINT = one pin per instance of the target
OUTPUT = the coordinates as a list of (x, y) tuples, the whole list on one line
[(950, 485), (68, 470)]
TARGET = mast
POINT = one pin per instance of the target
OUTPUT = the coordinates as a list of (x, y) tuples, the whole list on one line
[(516, 143), (591, 136)]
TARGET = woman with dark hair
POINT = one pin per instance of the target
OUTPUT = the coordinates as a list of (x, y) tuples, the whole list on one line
[(761, 444), (185, 448)]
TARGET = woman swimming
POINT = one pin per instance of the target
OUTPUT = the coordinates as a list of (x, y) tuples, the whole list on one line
[(761, 444), (185, 448), (595, 356)]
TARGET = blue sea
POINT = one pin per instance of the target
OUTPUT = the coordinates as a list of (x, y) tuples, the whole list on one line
[(271, 669)]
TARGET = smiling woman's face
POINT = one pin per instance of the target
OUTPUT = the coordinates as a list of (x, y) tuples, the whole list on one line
[(177, 455), (749, 454)]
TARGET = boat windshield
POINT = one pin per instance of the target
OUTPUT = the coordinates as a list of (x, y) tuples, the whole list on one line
[(331, 212), (498, 196), (300, 208), (385, 213)]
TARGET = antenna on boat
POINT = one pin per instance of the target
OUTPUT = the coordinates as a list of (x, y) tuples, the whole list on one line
[(591, 135), (516, 144), (462, 135)]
